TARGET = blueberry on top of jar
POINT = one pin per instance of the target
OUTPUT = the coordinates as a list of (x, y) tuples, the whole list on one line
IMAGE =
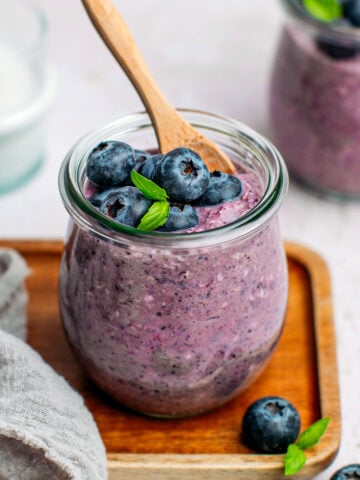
[(344, 14), (183, 174), (179, 179), (148, 166), (125, 205), (222, 188), (181, 217), (110, 163), (351, 11)]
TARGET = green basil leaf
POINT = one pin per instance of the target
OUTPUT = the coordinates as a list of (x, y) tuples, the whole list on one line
[(294, 459), (155, 217), (324, 10), (312, 434), (148, 187)]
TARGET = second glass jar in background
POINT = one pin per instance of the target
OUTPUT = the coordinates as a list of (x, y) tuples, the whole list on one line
[(315, 102), (26, 89), (175, 324)]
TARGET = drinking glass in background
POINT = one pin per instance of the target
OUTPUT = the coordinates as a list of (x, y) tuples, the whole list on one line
[(315, 102), (26, 87)]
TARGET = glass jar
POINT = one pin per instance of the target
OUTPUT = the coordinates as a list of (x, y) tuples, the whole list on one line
[(315, 102), (26, 89), (174, 324)]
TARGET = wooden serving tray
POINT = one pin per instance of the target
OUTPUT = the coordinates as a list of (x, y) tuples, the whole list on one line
[(303, 370)]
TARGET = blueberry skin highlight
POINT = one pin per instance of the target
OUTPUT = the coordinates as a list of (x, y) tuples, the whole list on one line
[(183, 174), (98, 198), (222, 188), (349, 472), (148, 167), (126, 205), (270, 424), (181, 217), (110, 164), (141, 155)]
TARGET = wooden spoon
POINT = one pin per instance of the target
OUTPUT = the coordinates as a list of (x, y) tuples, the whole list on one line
[(171, 129)]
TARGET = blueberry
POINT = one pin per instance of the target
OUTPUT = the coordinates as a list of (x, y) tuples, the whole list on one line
[(336, 51), (141, 155), (349, 472), (148, 167), (183, 174), (181, 217), (270, 424), (222, 188), (98, 198), (110, 163), (125, 205), (351, 11)]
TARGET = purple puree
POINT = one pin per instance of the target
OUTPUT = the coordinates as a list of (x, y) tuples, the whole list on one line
[(315, 113), (176, 332)]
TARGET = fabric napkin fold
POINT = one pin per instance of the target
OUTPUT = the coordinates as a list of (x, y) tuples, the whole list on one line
[(13, 296), (46, 431)]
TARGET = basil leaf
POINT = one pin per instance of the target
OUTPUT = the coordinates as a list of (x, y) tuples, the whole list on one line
[(148, 187), (312, 434), (324, 10), (294, 459), (155, 217)]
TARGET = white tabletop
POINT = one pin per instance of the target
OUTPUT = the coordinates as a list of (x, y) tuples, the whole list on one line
[(210, 55)]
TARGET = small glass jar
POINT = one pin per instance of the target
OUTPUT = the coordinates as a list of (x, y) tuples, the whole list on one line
[(26, 89), (315, 102), (174, 324)]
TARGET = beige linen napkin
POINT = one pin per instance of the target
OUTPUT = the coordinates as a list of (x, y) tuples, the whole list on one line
[(46, 431), (13, 297)]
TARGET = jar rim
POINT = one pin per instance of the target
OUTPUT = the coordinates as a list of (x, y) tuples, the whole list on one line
[(332, 30), (88, 217)]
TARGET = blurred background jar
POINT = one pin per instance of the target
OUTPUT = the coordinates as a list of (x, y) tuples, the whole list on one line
[(26, 88), (315, 101)]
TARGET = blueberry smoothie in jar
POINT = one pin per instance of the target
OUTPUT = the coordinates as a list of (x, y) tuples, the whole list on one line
[(174, 318), (315, 95)]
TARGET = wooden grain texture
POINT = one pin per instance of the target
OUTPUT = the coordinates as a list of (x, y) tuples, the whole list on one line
[(303, 369), (170, 127)]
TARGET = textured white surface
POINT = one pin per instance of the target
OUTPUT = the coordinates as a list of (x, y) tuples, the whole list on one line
[(205, 54)]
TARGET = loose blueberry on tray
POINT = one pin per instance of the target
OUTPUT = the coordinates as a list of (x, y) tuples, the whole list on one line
[(349, 472), (270, 425)]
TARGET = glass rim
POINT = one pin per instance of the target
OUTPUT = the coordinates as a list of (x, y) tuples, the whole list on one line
[(332, 30), (42, 26), (88, 217)]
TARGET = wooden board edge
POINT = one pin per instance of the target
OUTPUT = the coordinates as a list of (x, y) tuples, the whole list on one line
[(54, 246), (328, 378), (193, 466), (209, 466)]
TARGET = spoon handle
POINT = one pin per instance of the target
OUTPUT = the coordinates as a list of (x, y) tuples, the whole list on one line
[(117, 36), (170, 127)]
